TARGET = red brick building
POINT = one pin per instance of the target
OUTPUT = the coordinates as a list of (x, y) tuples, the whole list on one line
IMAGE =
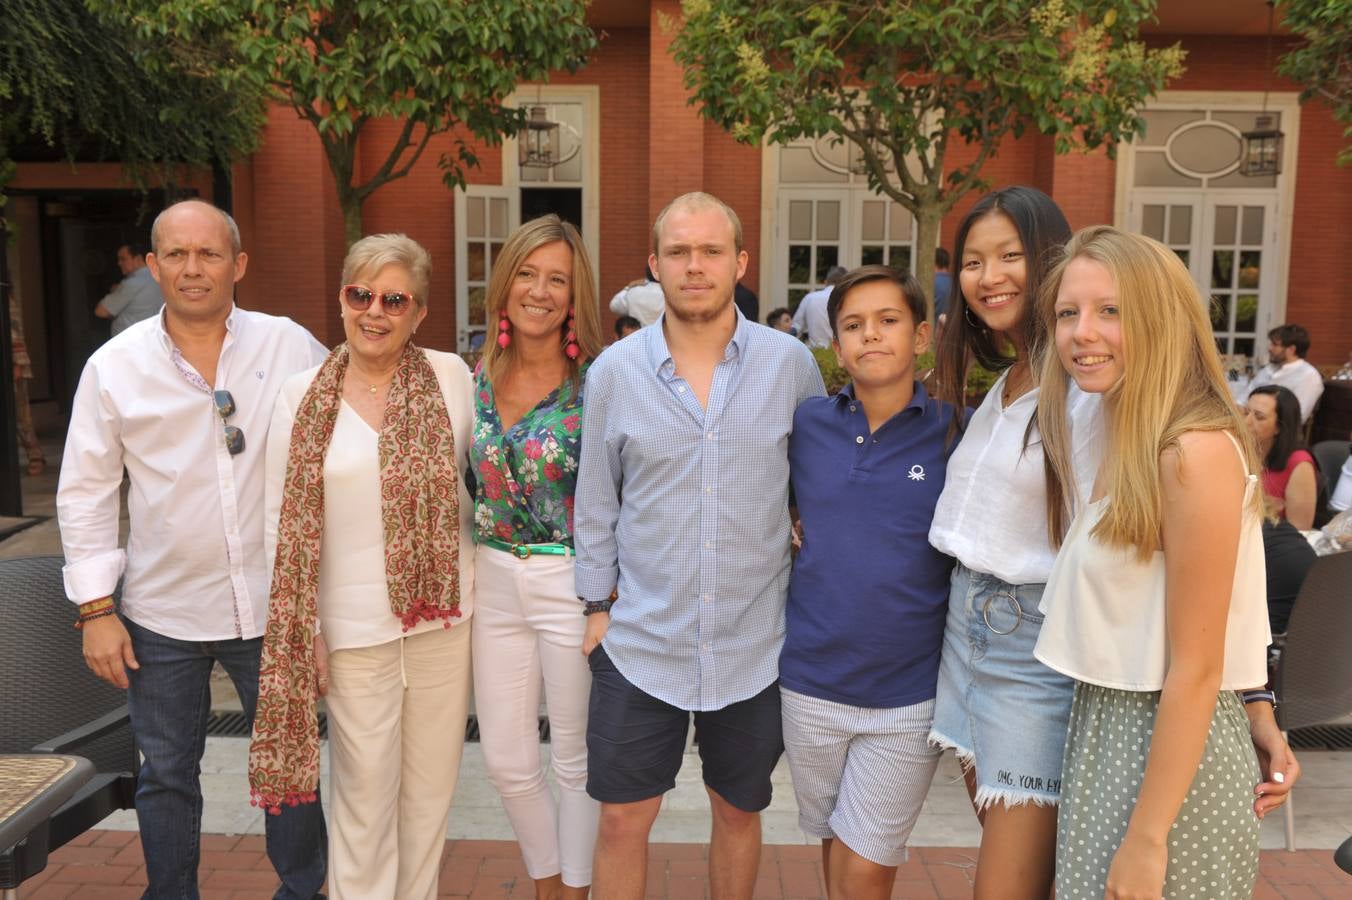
[(1267, 250)]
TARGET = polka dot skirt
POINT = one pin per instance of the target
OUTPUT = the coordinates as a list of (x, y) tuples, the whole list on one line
[(1213, 844)]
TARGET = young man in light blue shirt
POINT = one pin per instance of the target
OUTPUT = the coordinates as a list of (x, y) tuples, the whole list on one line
[(682, 522)]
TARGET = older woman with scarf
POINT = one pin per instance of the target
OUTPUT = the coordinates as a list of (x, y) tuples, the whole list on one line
[(372, 583)]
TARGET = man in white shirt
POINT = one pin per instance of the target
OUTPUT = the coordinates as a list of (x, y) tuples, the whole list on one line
[(182, 400), (811, 321), (1287, 346), (642, 299), (136, 296)]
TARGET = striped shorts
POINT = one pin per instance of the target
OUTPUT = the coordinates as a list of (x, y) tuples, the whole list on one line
[(860, 775)]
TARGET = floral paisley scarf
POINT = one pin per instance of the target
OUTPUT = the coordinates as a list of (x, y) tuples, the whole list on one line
[(419, 497)]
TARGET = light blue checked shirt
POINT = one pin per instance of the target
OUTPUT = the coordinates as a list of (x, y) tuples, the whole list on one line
[(686, 510)]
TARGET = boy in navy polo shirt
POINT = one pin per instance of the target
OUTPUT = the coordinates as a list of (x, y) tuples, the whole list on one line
[(868, 596)]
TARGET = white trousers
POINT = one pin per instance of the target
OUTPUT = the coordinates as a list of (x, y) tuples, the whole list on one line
[(397, 714), (528, 627)]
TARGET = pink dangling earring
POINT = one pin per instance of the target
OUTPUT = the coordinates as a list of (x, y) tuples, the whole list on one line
[(571, 349), (504, 331)]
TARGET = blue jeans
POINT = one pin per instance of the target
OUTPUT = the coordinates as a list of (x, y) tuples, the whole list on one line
[(170, 700)]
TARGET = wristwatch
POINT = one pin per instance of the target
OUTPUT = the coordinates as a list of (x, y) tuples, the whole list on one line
[(599, 606)]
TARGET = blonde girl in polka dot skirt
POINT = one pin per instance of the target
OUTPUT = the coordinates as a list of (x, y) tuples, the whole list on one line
[(1156, 603)]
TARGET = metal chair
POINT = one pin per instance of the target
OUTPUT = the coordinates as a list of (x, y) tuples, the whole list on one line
[(51, 703), (1314, 676)]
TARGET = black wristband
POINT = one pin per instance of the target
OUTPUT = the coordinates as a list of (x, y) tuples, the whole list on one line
[(596, 606)]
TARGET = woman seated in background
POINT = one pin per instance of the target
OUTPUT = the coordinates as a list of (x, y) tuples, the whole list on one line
[(1289, 478)]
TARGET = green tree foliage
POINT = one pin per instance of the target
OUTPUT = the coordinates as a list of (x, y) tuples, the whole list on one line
[(1323, 61), (904, 80), (434, 66), (91, 87)]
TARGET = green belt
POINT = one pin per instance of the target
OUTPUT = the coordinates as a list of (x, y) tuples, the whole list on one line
[(526, 551)]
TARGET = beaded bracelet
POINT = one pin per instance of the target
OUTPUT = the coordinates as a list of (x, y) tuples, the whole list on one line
[(108, 610)]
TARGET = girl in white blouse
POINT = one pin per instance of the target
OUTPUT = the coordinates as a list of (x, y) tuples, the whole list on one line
[(1155, 605)]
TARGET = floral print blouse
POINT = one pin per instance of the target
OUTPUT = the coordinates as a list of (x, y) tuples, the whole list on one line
[(526, 475)]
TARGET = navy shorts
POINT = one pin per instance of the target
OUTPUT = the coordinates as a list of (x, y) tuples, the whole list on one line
[(635, 742)]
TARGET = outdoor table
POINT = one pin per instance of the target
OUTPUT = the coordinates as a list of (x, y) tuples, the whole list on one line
[(32, 787)]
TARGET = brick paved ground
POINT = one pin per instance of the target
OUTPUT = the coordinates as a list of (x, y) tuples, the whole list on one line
[(107, 865)]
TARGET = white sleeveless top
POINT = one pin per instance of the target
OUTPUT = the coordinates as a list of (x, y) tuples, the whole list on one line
[(1105, 610)]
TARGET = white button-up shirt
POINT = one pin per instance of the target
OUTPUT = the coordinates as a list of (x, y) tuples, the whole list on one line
[(194, 561), (1298, 376), (992, 514)]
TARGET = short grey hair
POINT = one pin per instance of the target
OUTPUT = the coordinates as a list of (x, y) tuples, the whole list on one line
[(698, 200), (376, 251), (236, 245)]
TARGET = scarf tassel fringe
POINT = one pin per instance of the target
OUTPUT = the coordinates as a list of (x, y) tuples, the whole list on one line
[(273, 803)]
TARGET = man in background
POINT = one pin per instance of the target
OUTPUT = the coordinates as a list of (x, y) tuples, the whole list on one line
[(136, 296), (811, 320), (1287, 347)]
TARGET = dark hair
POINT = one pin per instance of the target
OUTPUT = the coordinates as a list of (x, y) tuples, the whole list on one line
[(1043, 231), (624, 322), (940, 258), (1287, 440), (136, 247), (1292, 335), (910, 289), (775, 313), (834, 274)]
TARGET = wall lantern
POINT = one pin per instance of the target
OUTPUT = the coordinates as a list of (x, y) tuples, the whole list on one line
[(1262, 149), (1262, 152), (538, 142)]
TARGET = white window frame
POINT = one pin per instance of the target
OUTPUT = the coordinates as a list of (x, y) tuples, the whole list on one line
[(1287, 104)]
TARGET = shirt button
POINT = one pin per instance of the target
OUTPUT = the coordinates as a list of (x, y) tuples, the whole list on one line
[(710, 435), (859, 440), (708, 598), (708, 489), (680, 390), (852, 409), (706, 648), (708, 545)]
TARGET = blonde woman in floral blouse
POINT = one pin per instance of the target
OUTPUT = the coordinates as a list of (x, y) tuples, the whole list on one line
[(528, 622)]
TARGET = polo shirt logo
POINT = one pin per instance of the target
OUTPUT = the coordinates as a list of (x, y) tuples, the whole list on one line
[(917, 473)]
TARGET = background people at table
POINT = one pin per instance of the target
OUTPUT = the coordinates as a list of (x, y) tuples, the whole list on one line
[(136, 296), (1290, 479), (641, 299), (1155, 605), (372, 582), (810, 321), (195, 579), (527, 624), (864, 620), (987, 518), (682, 523), (1288, 346)]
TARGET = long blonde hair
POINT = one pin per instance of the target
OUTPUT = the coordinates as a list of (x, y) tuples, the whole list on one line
[(1172, 384), (586, 314)]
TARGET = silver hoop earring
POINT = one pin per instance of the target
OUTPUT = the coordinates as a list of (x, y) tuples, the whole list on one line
[(967, 314)]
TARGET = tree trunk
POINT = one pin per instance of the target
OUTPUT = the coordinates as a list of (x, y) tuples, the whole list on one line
[(927, 219), (351, 206)]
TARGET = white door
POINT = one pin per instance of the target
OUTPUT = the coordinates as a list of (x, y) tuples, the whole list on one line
[(812, 236), (484, 215), (1228, 240)]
